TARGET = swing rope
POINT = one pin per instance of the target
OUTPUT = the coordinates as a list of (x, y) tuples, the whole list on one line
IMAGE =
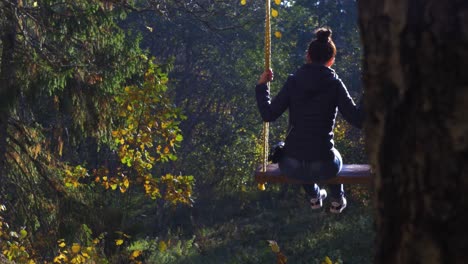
[(266, 125)]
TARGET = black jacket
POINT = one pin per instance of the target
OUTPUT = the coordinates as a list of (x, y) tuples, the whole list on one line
[(313, 94)]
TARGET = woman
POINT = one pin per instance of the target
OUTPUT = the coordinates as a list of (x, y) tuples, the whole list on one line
[(312, 95)]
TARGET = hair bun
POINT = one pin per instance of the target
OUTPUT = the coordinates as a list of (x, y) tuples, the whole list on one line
[(323, 34)]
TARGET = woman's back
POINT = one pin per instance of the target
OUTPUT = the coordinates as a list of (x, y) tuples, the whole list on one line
[(312, 112), (312, 96)]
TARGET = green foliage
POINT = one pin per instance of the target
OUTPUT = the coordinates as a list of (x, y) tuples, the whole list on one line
[(95, 128), (76, 72)]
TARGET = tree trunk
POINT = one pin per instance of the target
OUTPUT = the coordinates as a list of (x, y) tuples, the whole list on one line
[(416, 85), (7, 80)]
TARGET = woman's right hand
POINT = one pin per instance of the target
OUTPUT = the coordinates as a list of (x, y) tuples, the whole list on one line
[(267, 76)]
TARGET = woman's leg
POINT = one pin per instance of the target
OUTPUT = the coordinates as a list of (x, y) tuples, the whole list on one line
[(294, 169), (336, 190)]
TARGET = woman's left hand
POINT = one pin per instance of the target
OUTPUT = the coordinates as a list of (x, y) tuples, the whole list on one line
[(267, 76)]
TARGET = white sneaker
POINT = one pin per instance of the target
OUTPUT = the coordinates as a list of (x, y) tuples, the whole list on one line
[(338, 206), (317, 203)]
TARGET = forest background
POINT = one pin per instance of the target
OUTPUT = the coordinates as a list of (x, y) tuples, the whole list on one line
[(129, 134)]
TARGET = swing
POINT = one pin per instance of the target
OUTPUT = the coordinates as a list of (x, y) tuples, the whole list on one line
[(349, 174)]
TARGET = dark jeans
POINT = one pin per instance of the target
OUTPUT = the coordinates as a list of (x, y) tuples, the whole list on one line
[(314, 171)]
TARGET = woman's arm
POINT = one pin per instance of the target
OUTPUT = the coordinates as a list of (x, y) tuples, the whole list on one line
[(351, 113), (269, 109)]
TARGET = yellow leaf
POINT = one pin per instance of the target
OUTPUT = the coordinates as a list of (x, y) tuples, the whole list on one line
[(278, 2), (328, 260), (274, 246), (126, 183), (75, 248), (119, 242), (136, 253), (59, 258), (35, 4), (62, 244), (261, 186), (162, 246), (274, 12), (278, 34), (127, 89), (113, 186), (243, 2)]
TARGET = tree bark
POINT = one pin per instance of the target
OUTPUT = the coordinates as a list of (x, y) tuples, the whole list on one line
[(7, 80), (416, 97)]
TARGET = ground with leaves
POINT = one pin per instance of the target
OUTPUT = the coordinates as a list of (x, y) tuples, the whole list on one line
[(241, 229)]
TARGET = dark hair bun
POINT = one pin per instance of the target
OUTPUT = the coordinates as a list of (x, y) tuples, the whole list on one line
[(323, 34)]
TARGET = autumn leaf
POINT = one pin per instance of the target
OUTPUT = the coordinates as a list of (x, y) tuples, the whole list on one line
[(162, 246), (278, 2), (261, 186), (75, 248), (274, 12), (278, 34), (136, 254), (119, 242), (243, 2), (327, 261), (274, 246), (281, 258)]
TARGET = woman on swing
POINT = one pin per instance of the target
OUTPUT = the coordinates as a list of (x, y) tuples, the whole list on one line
[(313, 94)]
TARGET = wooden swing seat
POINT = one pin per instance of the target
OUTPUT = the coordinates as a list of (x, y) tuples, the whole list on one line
[(349, 174)]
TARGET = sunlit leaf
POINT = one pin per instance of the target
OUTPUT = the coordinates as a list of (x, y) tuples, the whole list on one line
[(261, 186), (274, 246), (274, 12), (278, 2), (126, 183), (327, 261), (162, 246), (23, 233), (75, 248), (60, 258), (278, 34), (119, 242), (136, 253)]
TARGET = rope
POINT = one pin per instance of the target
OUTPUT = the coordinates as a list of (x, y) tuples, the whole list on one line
[(266, 125)]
